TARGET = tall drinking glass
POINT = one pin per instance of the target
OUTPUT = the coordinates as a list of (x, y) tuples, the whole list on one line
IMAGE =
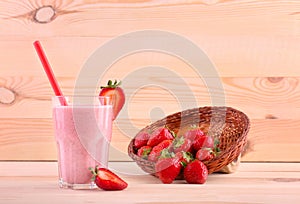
[(83, 132)]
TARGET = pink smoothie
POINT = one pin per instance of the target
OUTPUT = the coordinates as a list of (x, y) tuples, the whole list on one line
[(83, 134)]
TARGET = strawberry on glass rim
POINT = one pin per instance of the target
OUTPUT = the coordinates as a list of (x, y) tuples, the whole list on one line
[(116, 95)]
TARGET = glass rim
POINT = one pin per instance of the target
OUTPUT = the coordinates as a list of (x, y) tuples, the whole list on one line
[(65, 96), (89, 100)]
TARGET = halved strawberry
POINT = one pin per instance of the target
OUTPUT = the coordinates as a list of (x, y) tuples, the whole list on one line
[(167, 169), (159, 135), (116, 94), (107, 180)]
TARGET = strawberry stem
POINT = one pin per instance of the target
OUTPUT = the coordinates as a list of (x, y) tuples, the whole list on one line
[(111, 84), (165, 153), (178, 141), (94, 172)]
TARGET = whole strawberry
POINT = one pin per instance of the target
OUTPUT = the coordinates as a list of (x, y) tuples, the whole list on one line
[(195, 172), (156, 150), (141, 139), (180, 144), (167, 169), (203, 142), (107, 180), (144, 151), (116, 95), (159, 135), (204, 154), (194, 133)]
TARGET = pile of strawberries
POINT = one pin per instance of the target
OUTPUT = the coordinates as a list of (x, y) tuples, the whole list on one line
[(177, 154)]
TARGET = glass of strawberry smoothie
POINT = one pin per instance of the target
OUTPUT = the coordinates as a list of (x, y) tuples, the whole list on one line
[(83, 132)]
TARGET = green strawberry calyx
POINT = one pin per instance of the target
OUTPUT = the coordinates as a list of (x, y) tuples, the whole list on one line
[(94, 172), (111, 84), (188, 157), (178, 141), (165, 153), (145, 153)]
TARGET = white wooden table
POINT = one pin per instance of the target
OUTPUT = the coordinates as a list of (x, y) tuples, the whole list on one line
[(36, 182)]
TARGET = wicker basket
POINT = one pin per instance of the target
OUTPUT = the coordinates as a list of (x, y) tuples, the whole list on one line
[(229, 125)]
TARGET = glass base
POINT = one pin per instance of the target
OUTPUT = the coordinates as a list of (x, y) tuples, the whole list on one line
[(63, 184)]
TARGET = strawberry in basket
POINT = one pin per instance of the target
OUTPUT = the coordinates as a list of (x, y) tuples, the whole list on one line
[(160, 135), (168, 169), (156, 150), (176, 154), (141, 140)]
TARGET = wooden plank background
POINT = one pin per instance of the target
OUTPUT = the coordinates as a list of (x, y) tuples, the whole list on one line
[(254, 45)]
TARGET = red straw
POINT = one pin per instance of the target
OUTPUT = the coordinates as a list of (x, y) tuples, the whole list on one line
[(49, 72)]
